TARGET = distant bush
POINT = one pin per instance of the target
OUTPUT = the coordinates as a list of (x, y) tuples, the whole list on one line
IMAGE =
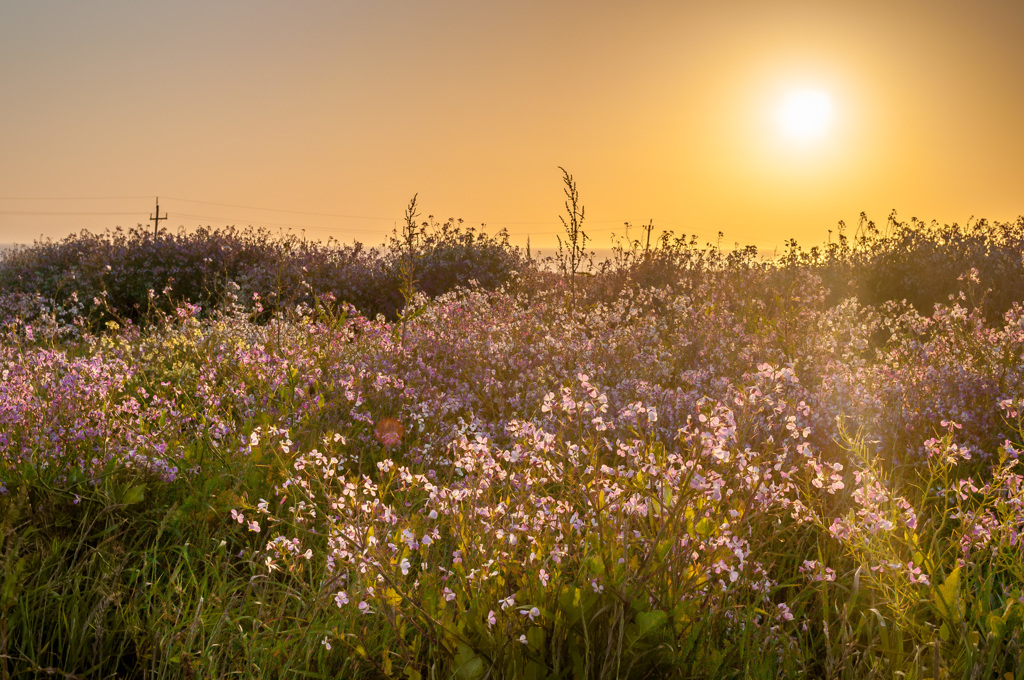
[(451, 256), (921, 263), (924, 264), (127, 275)]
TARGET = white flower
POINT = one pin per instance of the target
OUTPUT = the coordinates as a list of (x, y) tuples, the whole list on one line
[(533, 612)]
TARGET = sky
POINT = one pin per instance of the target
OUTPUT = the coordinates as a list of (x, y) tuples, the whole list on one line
[(325, 118)]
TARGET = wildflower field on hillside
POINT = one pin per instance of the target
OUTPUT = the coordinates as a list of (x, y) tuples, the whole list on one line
[(686, 463)]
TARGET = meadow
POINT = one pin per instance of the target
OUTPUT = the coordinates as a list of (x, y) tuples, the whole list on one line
[(229, 454)]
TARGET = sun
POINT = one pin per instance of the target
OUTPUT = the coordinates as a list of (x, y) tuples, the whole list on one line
[(805, 115)]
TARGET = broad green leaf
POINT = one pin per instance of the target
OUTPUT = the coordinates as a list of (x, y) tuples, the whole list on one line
[(996, 625), (947, 598), (534, 671), (595, 565), (682, 614), (11, 581), (569, 604), (705, 527), (579, 666), (470, 666), (648, 622), (135, 494), (535, 638)]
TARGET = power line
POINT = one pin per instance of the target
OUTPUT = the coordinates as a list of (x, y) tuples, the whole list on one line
[(231, 220), (361, 217), (346, 230), (320, 214), (291, 212), (71, 198), (48, 212), (493, 224)]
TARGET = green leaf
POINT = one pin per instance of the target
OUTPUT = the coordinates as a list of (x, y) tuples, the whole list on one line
[(535, 638), (569, 603), (947, 598), (996, 625), (534, 671), (11, 582), (134, 495), (579, 666), (470, 665), (648, 622), (392, 597), (705, 527)]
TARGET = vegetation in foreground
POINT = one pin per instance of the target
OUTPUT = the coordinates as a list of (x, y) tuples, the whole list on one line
[(688, 463)]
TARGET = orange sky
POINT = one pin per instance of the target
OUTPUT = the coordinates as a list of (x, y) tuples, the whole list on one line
[(661, 110)]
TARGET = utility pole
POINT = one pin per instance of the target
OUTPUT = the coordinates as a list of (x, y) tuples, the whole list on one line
[(156, 219)]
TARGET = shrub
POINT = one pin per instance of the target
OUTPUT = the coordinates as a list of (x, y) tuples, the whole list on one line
[(128, 276)]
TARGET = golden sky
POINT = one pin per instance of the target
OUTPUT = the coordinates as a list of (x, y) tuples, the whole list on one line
[(661, 110)]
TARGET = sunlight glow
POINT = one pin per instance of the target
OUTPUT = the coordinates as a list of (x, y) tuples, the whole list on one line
[(805, 115)]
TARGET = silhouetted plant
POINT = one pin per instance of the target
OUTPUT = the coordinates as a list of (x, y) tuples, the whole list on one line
[(573, 251)]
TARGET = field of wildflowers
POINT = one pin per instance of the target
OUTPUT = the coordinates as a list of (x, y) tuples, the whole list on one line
[(693, 464)]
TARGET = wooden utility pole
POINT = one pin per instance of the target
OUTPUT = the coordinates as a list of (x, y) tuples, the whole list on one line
[(155, 219)]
